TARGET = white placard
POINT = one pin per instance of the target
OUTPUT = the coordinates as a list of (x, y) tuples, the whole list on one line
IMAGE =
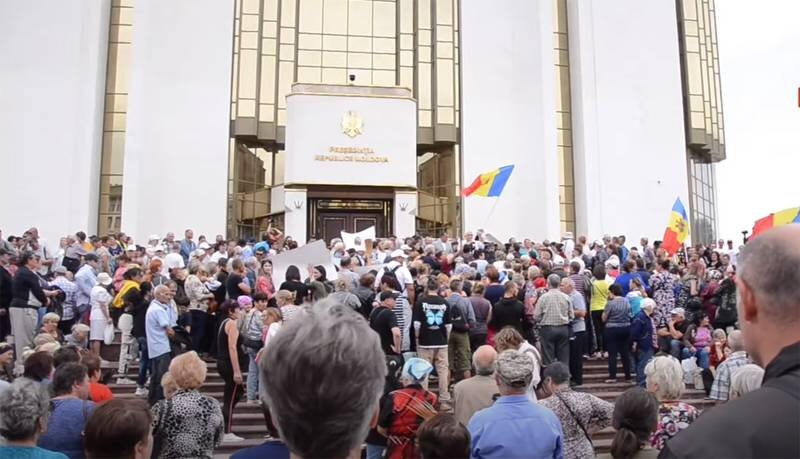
[(356, 240), (313, 254)]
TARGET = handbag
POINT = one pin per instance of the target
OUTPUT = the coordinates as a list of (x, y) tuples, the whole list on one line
[(254, 344), (108, 334)]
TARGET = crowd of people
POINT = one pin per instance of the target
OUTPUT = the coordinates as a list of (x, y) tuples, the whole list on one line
[(502, 330)]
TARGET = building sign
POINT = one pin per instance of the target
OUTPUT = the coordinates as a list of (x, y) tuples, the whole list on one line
[(350, 139)]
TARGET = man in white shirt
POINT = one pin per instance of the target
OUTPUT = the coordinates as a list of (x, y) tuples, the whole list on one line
[(732, 252), (222, 251), (403, 275)]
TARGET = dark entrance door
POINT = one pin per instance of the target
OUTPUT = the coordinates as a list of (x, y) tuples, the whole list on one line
[(332, 216)]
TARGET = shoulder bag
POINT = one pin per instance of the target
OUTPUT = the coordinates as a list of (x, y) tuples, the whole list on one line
[(572, 413)]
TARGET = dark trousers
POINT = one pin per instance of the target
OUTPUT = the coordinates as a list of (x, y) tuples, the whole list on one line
[(158, 366), (144, 361), (591, 342), (617, 339), (198, 329), (231, 394), (577, 347), (477, 340), (555, 344), (599, 330), (5, 324), (66, 326)]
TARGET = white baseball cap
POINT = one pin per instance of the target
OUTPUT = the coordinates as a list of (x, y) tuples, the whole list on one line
[(399, 254), (104, 279)]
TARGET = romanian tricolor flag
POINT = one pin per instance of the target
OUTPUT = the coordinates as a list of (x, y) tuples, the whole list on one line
[(781, 218), (677, 228), (490, 183)]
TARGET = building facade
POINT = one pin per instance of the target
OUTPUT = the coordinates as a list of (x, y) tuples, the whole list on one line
[(318, 116)]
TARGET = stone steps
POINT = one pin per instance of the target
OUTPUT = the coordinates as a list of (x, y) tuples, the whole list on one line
[(248, 420)]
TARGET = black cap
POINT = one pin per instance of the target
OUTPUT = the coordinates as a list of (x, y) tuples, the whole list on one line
[(386, 295)]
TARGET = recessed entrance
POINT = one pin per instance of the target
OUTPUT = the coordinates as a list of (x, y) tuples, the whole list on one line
[(329, 217)]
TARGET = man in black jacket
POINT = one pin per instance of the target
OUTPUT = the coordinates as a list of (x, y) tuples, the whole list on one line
[(766, 422)]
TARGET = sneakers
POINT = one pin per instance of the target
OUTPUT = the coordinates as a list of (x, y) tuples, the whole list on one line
[(125, 381), (231, 438), (141, 392)]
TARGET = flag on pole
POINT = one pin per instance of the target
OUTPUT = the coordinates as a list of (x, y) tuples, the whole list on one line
[(784, 217), (490, 183), (677, 228)]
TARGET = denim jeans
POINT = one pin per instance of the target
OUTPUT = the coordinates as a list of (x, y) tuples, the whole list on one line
[(676, 348), (375, 451), (144, 361), (252, 375), (642, 357), (701, 354)]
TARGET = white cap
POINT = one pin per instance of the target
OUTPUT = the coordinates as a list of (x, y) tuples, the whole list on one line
[(131, 246), (104, 279), (399, 254), (153, 237), (204, 246), (174, 260)]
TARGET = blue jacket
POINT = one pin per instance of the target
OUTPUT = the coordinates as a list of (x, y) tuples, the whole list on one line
[(515, 427), (642, 331)]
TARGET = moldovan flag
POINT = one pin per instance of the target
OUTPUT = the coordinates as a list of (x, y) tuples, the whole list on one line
[(784, 217), (490, 183), (677, 228)]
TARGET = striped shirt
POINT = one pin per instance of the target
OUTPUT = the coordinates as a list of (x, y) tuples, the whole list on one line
[(720, 390), (618, 312), (70, 290)]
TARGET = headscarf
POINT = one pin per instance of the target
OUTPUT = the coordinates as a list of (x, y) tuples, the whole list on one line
[(416, 369)]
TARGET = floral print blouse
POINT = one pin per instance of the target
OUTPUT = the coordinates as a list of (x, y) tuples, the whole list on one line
[(672, 418)]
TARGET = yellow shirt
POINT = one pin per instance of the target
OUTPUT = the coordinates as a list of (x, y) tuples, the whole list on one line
[(599, 295)]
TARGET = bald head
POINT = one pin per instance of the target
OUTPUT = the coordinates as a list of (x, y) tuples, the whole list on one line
[(769, 266), (736, 341), (484, 360)]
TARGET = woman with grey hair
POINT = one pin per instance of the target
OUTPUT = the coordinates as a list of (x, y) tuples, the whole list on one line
[(24, 413), (580, 413), (404, 410), (744, 379), (664, 377)]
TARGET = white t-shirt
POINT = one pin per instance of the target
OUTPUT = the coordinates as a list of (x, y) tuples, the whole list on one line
[(402, 273), (99, 296), (215, 257)]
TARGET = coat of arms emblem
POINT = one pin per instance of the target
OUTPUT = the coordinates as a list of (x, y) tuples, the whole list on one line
[(352, 125)]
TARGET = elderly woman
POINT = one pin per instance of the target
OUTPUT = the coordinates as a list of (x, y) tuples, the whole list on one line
[(635, 418), (39, 367), (79, 336), (24, 412), (404, 410), (99, 318), (189, 424), (665, 379), (199, 296), (580, 413), (50, 326), (642, 337), (617, 333), (510, 338), (119, 429)]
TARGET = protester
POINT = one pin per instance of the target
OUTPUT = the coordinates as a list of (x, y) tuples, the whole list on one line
[(432, 322), (642, 339), (39, 367), (294, 285), (600, 288), (617, 320), (635, 419), (508, 311), (580, 413), (514, 426), (27, 297), (462, 319), (665, 380), (119, 429), (229, 362), (188, 424), (403, 410), (478, 392), (697, 340), (99, 318), (330, 418), (443, 437), (98, 392), (554, 312), (24, 416), (510, 339), (159, 320), (384, 322), (577, 340), (483, 315), (70, 410), (252, 339)]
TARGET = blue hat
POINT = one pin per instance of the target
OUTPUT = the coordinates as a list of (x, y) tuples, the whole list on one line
[(416, 369)]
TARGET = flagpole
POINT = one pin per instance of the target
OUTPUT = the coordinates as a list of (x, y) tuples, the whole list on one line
[(491, 211)]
